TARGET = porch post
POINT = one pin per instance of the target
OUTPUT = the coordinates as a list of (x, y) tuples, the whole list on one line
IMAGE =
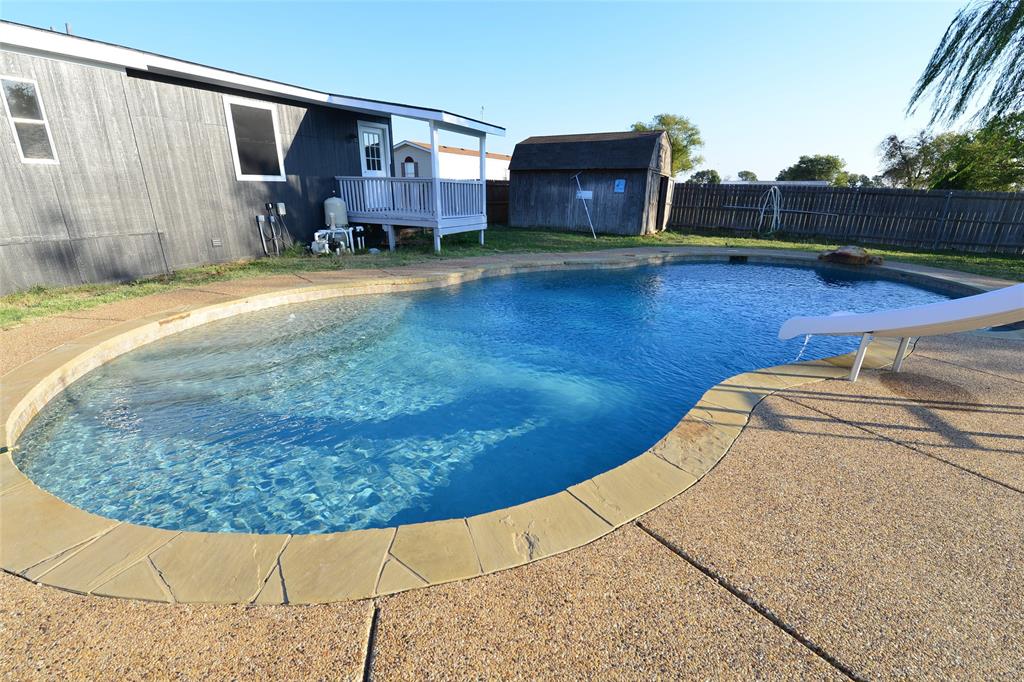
[(435, 173), (483, 180)]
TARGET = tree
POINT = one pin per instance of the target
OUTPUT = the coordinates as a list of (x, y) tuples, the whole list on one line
[(989, 159), (684, 137), (818, 167), (855, 180), (909, 162), (981, 50), (706, 177), (747, 176)]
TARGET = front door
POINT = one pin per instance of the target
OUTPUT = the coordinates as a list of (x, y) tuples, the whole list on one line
[(374, 153), (374, 150)]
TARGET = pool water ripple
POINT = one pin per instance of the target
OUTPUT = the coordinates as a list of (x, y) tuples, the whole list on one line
[(373, 411)]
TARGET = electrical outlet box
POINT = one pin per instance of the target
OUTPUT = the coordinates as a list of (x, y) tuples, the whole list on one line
[(281, 208)]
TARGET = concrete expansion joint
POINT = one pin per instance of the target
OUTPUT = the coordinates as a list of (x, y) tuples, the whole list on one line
[(754, 604), (391, 557), (207, 291), (164, 585), (888, 439), (592, 510), (476, 550), (102, 319), (924, 354), (274, 567), (371, 641), (384, 560), (67, 552)]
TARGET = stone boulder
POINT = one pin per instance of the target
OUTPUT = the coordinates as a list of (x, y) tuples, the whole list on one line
[(850, 255)]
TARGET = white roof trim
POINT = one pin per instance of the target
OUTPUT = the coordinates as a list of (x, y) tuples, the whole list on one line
[(16, 37), (412, 144)]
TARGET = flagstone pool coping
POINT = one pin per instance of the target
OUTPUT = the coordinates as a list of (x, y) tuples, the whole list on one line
[(48, 541)]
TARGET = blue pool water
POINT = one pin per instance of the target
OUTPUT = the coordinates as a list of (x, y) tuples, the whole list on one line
[(373, 411)]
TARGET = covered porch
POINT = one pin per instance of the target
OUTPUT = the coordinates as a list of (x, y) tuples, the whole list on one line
[(445, 206)]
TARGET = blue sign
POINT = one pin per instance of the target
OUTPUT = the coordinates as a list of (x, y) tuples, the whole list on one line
[(620, 186)]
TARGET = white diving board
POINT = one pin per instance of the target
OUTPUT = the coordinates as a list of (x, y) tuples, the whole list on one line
[(990, 309)]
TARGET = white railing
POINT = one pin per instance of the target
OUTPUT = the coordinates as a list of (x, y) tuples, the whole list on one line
[(462, 198), (395, 199)]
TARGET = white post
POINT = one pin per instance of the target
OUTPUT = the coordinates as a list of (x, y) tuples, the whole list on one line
[(390, 230), (483, 180), (859, 360), (435, 172)]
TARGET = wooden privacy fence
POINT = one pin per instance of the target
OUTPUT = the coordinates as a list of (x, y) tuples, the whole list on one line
[(497, 202), (984, 222)]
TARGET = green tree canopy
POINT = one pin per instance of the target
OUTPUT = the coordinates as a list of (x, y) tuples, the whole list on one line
[(818, 167), (706, 177), (684, 137), (980, 51), (747, 176), (855, 180), (989, 159)]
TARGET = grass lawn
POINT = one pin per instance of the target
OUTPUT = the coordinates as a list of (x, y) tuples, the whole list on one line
[(42, 301)]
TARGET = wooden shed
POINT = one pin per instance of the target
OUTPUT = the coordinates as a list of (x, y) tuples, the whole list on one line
[(625, 179)]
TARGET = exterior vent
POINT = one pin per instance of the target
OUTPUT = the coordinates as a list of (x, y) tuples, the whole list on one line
[(216, 242)]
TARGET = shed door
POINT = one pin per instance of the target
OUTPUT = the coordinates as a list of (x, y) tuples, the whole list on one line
[(662, 204)]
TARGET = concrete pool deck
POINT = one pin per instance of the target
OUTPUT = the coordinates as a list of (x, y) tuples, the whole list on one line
[(870, 528)]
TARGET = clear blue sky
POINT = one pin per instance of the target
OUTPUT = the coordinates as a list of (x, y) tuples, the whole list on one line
[(765, 82)]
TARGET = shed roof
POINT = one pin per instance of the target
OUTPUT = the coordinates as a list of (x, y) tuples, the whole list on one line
[(589, 151)]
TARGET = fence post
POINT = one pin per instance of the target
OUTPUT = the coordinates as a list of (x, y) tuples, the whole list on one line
[(941, 229), (998, 241)]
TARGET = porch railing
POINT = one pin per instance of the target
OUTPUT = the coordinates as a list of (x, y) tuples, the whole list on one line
[(394, 199)]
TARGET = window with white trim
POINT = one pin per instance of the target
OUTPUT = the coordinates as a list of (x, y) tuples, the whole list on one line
[(410, 169), (24, 109), (255, 142)]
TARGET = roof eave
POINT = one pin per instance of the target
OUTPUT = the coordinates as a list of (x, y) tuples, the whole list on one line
[(32, 40)]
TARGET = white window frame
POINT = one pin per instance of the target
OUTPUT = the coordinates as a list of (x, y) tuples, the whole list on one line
[(415, 167), (229, 119), (46, 122)]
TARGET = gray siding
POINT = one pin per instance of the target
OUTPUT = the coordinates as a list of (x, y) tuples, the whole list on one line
[(547, 199), (59, 219), (146, 180), (418, 155)]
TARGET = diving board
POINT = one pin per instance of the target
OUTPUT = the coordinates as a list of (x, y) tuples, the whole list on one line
[(990, 309)]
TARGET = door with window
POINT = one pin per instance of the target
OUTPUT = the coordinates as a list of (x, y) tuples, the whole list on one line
[(374, 157)]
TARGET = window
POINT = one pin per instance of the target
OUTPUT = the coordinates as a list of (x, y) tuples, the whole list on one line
[(25, 111), (372, 150), (409, 168), (252, 130)]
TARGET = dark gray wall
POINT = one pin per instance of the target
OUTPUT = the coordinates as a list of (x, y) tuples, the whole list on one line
[(547, 199), (146, 180)]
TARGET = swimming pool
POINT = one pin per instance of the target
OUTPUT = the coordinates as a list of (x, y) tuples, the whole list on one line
[(382, 410)]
